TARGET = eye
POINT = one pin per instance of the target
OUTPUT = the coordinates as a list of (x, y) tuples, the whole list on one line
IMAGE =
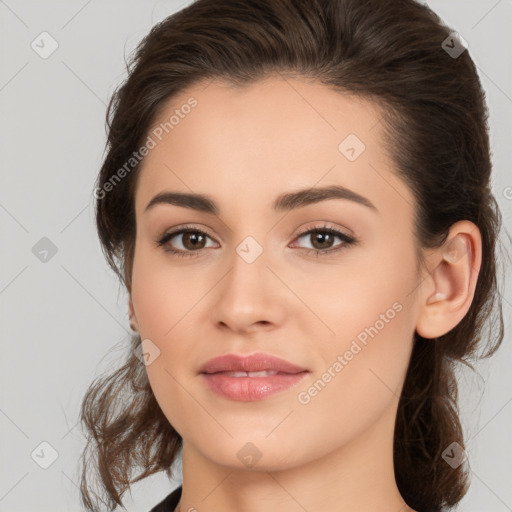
[(192, 240), (322, 239)]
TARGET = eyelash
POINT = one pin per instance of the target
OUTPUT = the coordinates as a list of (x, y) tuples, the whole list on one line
[(348, 241)]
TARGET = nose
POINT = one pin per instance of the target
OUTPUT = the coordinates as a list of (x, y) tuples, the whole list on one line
[(250, 297)]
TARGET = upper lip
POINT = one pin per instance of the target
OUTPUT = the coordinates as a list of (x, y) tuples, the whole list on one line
[(249, 363)]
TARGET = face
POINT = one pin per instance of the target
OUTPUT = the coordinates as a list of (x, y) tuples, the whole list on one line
[(261, 275)]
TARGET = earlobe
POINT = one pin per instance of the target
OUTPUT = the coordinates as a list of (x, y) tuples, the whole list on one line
[(449, 290)]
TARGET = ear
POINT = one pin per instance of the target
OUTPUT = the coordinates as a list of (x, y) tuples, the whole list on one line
[(447, 293), (133, 319)]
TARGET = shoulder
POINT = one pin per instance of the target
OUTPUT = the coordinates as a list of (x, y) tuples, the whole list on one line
[(169, 503)]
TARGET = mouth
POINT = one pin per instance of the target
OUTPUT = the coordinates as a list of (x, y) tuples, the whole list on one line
[(250, 378)]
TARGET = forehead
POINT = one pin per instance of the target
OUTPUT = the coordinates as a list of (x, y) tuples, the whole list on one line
[(278, 134)]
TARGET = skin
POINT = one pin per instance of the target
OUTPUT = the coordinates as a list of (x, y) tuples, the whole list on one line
[(244, 147)]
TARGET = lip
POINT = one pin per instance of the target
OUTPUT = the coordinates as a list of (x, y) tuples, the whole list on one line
[(283, 375), (250, 363)]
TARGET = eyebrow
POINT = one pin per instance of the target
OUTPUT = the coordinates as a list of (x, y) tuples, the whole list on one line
[(284, 202)]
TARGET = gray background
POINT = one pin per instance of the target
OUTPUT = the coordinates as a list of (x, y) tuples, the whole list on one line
[(61, 318)]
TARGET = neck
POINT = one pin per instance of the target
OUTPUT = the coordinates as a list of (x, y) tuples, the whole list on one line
[(357, 476)]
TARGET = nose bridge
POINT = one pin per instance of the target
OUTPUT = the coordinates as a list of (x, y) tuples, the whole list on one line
[(248, 280), (249, 291)]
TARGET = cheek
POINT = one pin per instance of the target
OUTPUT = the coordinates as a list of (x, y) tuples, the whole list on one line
[(364, 295), (361, 377), (363, 364), (163, 295), (164, 299)]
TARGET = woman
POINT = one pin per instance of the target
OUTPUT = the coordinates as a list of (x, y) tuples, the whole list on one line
[(296, 195)]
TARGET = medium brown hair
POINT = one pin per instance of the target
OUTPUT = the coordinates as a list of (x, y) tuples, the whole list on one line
[(436, 130)]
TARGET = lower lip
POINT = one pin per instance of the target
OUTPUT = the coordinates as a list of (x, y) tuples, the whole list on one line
[(251, 388)]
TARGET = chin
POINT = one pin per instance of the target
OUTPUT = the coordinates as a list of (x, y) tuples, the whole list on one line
[(251, 453)]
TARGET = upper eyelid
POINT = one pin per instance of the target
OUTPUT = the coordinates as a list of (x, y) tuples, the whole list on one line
[(184, 229), (339, 233)]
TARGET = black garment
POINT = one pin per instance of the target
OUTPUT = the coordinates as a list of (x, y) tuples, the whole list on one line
[(169, 503)]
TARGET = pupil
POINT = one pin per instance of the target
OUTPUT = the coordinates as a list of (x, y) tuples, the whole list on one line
[(193, 238), (326, 236)]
